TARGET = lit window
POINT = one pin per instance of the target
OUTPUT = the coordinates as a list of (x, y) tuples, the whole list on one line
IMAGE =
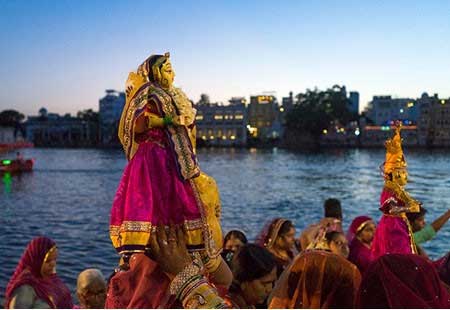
[(239, 116), (218, 117), (199, 117)]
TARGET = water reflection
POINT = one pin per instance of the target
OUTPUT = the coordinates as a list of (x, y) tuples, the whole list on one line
[(68, 196), (7, 182)]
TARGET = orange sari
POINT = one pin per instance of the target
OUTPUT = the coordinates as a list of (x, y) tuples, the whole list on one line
[(317, 279)]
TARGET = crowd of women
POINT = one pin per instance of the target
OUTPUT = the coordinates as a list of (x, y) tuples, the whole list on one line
[(320, 268)]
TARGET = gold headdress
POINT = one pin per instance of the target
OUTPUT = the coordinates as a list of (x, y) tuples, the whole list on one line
[(394, 153)]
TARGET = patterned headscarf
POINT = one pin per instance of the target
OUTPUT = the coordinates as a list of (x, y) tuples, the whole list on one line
[(270, 232), (357, 225)]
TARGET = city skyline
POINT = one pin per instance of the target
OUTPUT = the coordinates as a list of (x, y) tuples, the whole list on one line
[(62, 55)]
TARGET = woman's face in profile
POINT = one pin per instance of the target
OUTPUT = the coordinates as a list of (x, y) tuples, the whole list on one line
[(233, 244), (49, 265)]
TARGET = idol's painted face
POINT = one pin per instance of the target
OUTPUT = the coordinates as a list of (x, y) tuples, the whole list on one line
[(400, 176), (167, 75)]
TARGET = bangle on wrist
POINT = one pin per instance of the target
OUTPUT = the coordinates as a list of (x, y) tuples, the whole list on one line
[(191, 273)]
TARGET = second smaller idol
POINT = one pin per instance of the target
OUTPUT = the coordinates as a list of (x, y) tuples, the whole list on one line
[(393, 233)]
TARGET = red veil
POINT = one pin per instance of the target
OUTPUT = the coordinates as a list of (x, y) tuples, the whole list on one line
[(144, 285), (360, 254), (402, 281), (28, 272), (443, 268)]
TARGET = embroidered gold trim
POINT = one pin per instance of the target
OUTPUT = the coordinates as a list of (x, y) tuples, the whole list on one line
[(137, 103), (49, 252), (361, 227), (142, 226), (274, 233), (210, 245), (193, 225), (403, 195)]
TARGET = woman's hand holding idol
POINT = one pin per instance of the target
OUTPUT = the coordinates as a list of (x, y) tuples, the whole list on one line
[(169, 250)]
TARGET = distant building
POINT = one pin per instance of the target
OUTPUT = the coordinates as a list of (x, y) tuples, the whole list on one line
[(51, 129), (222, 125), (341, 135), (434, 121), (264, 117), (376, 136), (354, 102), (384, 110), (10, 135), (110, 110), (287, 103)]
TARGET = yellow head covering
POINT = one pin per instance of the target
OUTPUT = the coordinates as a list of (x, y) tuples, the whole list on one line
[(147, 71), (133, 84), (394, 153)]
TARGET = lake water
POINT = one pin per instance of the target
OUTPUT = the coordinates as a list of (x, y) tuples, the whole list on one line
[(68, 196)]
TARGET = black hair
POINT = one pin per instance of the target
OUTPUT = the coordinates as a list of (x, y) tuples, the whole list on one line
[(414, 216), (235, 234), (285, 227), (332, 235), (332, 208), (390, 176), (252, 262)]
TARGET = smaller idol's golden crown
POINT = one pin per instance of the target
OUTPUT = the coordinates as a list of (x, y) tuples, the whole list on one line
[(394, 152), (134, 82)]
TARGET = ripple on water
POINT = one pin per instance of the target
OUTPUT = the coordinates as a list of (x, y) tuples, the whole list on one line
[(68, 197)]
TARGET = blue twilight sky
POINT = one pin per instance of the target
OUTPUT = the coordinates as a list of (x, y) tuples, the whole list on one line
[(64, 54)]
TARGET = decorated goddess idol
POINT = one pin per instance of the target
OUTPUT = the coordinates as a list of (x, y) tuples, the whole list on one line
[(393, 233), (162, 183)]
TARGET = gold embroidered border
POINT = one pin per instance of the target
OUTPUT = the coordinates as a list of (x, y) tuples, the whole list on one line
[(210, 245), (361, 227), (136, 103), (142, 226), (189, 167), (120, 238), (180, 138)]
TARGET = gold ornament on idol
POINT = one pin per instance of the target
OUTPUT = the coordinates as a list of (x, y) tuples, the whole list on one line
[(396, 175)]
